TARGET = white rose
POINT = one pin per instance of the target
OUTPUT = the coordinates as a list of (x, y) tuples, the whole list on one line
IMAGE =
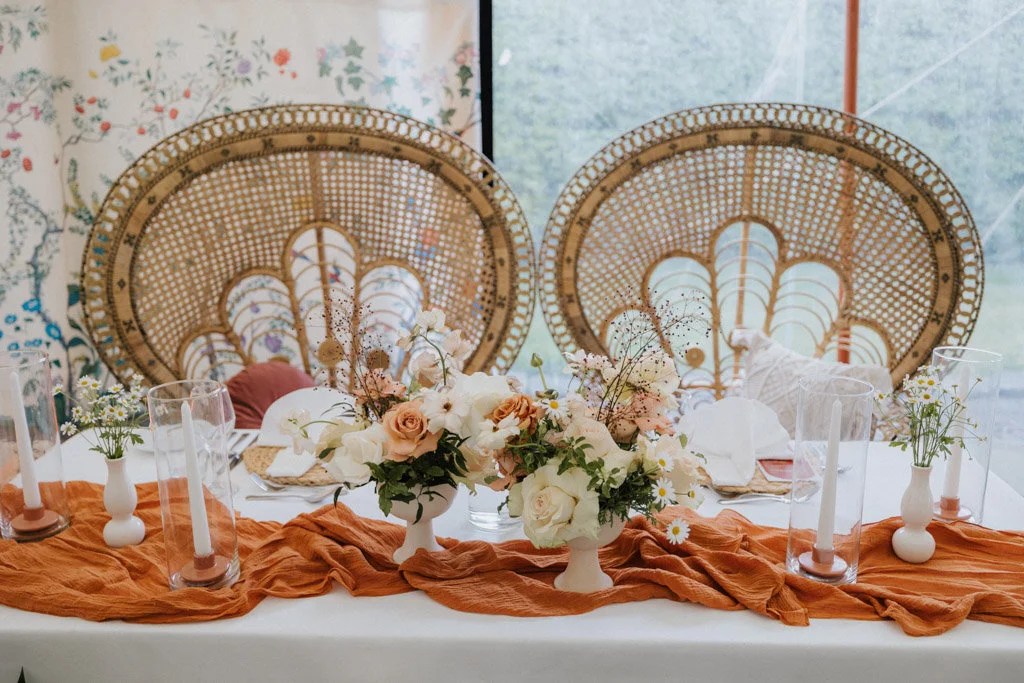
[(480, 466), (555, 507), (483, 393), (356, 450), (616, 462), (330, 437)]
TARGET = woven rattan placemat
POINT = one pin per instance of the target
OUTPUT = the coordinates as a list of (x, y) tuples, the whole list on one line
[(758, 484), (258, 458)]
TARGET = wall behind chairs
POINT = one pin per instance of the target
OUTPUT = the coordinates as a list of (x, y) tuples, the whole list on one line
[(87, 86)]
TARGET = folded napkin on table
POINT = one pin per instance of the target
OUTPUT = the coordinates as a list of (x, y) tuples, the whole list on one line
[(288, 463), (732, 434)]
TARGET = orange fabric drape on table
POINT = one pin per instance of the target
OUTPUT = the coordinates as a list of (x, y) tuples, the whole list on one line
[(728, 563)]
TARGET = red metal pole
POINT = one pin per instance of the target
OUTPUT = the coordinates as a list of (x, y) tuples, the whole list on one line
[(850, 107), (850, 70)]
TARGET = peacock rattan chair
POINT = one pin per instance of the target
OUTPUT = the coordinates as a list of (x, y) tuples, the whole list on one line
[(284, 231), (828, 233)]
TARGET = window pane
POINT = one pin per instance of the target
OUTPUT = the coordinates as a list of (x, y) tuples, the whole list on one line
[(571, 76)]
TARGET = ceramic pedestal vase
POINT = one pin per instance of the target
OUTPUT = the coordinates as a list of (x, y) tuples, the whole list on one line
[(119, 499), (912, 542), (583, 573), (421, 534)]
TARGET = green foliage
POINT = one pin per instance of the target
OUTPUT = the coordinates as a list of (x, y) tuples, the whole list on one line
[(397, 481)]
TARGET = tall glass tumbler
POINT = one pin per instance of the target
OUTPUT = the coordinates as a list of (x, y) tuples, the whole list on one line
[(33, 501), (833, 429), (488, 510), (190, 433), (962, 478)]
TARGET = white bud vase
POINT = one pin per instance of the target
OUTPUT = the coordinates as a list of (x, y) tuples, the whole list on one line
[(583, 573), (912, 542), (421, 534), (120, 499)]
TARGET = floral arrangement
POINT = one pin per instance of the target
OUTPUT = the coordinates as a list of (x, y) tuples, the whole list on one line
[(608, 450), (111, 417), (413, 438), (934, 415)]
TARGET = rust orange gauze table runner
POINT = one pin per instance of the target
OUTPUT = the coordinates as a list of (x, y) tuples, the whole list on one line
[(728, 563)]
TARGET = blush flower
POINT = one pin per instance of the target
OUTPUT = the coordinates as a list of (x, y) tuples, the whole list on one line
[(407, 433)]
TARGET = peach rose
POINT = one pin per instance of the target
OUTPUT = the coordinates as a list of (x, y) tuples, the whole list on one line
[(510, 467), (526, 412), (407, 433)]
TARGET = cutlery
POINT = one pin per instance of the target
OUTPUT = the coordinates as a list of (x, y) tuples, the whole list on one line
[(313, 497), (240, 440), (270, 487), (753, 498)]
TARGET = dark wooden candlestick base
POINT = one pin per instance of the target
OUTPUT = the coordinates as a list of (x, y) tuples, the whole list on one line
[(205, 571), (823, 563)]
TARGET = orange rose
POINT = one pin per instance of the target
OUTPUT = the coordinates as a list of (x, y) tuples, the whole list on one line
[(407, 433), (526, 412)]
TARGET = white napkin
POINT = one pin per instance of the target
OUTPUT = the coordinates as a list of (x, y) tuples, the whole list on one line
[(288, 463), (732, 434)]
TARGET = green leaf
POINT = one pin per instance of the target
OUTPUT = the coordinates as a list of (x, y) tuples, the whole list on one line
[(353, 49)]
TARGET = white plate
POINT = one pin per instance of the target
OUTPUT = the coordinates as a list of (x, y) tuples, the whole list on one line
[(319, 402)]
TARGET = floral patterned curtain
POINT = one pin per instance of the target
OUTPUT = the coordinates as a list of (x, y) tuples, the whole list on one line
[(87, 86)]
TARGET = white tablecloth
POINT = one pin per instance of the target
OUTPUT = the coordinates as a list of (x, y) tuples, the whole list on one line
[(409, 637)]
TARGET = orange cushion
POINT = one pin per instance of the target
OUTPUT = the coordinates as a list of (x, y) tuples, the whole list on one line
[(257, 386)]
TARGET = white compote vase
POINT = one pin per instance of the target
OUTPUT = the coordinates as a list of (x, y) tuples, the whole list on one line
[(420, 534), (583, 574)]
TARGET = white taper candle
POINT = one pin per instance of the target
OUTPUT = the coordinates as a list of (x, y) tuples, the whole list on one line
[(951, 483), (827, 513), (29, 483), (196, 500)]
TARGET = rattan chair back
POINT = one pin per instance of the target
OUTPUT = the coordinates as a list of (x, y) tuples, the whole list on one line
[(828, 233), (285, 231)]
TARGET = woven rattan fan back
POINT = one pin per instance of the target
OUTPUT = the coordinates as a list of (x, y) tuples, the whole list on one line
[(285, 230), (826, 232)]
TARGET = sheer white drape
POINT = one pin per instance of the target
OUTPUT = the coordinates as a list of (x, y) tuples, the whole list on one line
[(944, 74)]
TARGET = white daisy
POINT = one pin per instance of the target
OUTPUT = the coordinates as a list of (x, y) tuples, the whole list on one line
[(677, 531), (555, 409), (664, 494), (665, 462)]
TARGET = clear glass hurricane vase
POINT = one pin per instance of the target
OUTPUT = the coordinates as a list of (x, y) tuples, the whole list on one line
[(33, 500), (833, 429), (960, 480), (190, 432)]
